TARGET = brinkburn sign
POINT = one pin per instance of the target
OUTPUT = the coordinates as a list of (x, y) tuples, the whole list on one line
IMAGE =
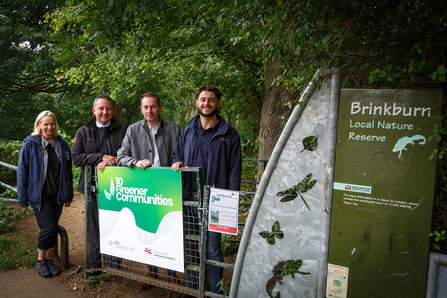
[(383, 193)]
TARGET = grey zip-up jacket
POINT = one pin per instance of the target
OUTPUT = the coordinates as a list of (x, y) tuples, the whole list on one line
[(137, 144)]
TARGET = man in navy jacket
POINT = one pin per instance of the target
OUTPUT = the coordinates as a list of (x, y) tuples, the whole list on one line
[(208, 141)]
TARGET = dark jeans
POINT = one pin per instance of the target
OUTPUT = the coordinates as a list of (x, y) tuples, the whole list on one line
[(191, 226), (47, 219)]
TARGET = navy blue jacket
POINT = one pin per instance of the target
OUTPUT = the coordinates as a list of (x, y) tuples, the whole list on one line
[(30, 176), (224, 156)]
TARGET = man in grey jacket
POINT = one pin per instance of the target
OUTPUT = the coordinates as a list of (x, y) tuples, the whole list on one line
[(149, 143)]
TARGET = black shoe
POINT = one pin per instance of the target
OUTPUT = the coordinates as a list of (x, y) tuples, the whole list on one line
[(53, 269), (42, 269)]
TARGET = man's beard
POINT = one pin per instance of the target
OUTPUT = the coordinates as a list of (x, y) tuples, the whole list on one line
[(213, 112)]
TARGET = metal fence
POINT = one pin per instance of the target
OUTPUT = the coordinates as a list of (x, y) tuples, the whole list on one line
[(2, 184)]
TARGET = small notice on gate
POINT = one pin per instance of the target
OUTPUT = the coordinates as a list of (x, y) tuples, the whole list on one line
[(223, 211)]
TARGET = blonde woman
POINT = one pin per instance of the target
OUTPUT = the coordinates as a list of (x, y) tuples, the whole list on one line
[(45, 182)]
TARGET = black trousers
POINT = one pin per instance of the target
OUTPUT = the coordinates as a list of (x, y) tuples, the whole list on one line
[(47, 219)]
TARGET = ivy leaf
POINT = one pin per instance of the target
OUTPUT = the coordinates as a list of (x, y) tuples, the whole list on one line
[(326, 38), (434, 75)]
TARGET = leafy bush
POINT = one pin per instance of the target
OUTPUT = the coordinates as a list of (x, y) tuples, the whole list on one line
[(76, 170), (438, 238), (249, 173), (6, 217), (230, 243), (8, 194), (9, 153)]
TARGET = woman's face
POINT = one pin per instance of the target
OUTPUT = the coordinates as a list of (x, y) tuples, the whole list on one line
[(47, 126)]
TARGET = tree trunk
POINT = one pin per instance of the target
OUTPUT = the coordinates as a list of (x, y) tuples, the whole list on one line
[(273, 108)]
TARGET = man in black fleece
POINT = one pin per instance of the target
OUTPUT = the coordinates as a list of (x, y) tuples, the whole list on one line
[(96, 144)]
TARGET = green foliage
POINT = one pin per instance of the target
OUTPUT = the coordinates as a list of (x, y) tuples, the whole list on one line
[(6, 259), (171, 48), (96, 280), (310, 143), (14, 255), (9, 153), (28, 82), (289, 267), (76, 170), (230, 243), (249, 173), (438, 237), (9, 194), (276, 232), (6, 217), (224, 288), (403, 46), (281, 269)]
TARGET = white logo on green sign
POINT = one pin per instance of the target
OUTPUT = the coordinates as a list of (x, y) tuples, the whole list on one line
[(134, 194), (404, 141)]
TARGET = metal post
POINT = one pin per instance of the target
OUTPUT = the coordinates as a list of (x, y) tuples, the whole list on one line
[(87, 219), (330, 164), (203, 240), (199, 177), (64, 247)]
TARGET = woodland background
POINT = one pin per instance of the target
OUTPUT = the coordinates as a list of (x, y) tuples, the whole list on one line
[(58, 55)]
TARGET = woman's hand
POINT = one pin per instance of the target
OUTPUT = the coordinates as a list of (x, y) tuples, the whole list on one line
[(25, 209), (67, 204)]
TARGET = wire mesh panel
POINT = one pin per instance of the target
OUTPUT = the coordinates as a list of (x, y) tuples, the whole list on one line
[(186, 282)]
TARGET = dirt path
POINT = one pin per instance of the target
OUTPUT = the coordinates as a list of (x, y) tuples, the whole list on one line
[(24, 283)]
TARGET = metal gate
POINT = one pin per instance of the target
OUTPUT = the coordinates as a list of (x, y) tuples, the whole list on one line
[(195, 223)]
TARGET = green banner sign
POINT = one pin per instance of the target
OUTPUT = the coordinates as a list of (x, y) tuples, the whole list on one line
[(141, 215), (383, 192)]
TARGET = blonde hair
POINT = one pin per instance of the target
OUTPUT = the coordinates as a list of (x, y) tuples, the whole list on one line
[(37, 131)]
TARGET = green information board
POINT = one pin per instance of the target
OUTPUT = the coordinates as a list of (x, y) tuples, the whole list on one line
[(383, 193)]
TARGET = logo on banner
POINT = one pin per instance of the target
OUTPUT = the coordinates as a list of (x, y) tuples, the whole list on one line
[(134, 194), (112, 190), (147, 250)]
